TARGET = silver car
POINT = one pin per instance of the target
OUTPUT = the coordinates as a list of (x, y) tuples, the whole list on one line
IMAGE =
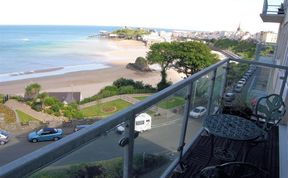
[(4, 137), (229, 96)]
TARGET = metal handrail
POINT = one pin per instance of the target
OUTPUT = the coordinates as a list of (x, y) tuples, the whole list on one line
[(38, 159)]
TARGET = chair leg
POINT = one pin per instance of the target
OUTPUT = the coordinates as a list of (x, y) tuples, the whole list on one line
[(181, 168), (211, 149)]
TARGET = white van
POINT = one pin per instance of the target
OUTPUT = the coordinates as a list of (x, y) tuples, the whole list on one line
[(143, 122)]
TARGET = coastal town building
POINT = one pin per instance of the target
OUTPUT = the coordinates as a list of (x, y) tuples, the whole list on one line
[(66, 97), (267, 37)]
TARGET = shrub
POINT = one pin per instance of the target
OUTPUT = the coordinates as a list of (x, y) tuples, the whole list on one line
[(162, 85), (121, 86), (49, 101), (32, 90), (36, 106), (55, 108), (18, 98), (78, 115), (108, 168), (43, 95), (126, 89), (123, 82)]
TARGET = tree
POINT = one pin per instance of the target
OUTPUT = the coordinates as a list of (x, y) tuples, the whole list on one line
[(32, 90), (130, 33), (164, 55), (191, 57)]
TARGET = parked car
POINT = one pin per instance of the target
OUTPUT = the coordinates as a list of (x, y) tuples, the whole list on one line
[(229, 96), (238, 88), (4, 137), (241, 82), (240, 85), (243, 79), (120, 128), (198, 112), (79, 127), (45, 134)]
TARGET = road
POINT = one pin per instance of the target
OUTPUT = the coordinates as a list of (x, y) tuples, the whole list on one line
[(162, 138)]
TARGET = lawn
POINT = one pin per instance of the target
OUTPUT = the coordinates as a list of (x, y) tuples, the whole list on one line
[(105, 109), (24, 118), (140, 97), (171, 102), (168, 103)]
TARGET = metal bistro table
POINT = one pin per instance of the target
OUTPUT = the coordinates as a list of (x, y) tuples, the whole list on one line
[(233, 128)]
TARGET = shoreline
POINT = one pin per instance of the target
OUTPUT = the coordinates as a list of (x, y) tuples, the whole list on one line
[(89, 79), (33, 74), (90, 82)]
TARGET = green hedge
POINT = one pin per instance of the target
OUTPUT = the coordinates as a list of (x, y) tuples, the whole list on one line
[(121, 86), (142, 163)]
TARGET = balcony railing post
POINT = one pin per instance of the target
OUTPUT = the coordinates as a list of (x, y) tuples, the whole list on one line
[(185, 120), (129, 148), (211, 92), (257, 51), (224, 84), (265, 7), (284, 80)]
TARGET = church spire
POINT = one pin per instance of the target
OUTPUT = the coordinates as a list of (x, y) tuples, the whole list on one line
[(239, 28)]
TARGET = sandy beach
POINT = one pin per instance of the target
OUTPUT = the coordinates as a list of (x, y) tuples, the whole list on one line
[(90, 82)]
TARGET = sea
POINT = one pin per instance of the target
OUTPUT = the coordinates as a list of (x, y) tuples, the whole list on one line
[(31, 51)]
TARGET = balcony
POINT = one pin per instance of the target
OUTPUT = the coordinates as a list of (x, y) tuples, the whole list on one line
[(175, 136), (272, 13)]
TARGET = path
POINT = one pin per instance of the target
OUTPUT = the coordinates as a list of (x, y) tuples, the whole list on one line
[(43, 117)]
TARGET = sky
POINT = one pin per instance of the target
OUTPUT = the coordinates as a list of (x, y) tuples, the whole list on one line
[(202, 15)]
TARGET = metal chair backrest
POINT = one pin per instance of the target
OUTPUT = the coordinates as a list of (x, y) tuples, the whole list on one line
[(270, 109), (233, 170)]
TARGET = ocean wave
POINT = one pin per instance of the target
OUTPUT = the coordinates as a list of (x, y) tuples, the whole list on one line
[(5, 77), (25, 39)]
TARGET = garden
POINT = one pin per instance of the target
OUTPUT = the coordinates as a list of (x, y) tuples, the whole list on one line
[(106, 109)]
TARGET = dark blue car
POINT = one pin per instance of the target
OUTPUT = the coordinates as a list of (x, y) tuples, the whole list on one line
[(45, 134)]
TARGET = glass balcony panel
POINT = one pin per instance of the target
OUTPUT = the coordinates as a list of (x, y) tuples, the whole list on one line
[(275, 7), (199, 106), (258, 81), (101, 157), (156, 148), (219, 87), (266, 53)]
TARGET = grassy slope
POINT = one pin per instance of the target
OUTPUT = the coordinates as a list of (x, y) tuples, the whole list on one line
[(24, 118)]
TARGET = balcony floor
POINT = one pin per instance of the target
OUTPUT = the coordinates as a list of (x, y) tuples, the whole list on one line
[(264, 158)]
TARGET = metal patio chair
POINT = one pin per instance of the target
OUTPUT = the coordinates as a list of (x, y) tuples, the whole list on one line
[(232, 170), (269, 111)]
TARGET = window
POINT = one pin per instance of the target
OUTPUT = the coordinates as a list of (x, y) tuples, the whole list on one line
[(139, 122)]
